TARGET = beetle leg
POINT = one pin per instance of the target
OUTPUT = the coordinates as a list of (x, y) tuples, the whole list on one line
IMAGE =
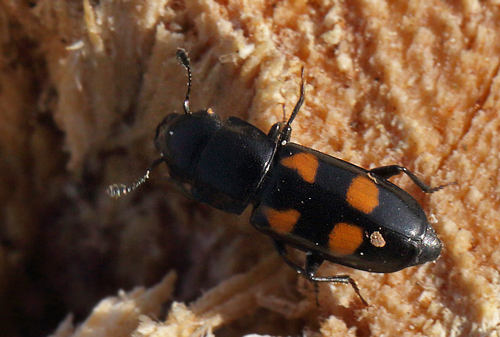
[(281, 248), (386, 172), (313, 262)]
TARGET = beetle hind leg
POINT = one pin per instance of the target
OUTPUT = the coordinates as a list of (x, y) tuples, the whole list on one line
[(312, 264), (387, 172)]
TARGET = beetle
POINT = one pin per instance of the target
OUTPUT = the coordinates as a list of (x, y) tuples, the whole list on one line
[(324, 206)]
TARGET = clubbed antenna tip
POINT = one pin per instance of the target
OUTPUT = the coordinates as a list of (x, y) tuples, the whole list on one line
[(119, 190)]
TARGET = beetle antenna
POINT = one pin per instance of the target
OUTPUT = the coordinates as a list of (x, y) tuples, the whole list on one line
[(119, 190), (183, 58), (284, 112), (286, 132), (299, 103)]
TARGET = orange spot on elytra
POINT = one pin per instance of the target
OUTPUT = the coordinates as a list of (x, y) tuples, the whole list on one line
[(344, 238), (306, 164), (363, 194), (282, 221)]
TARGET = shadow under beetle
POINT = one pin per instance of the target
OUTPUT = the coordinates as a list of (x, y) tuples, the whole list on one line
[(328, 208)]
